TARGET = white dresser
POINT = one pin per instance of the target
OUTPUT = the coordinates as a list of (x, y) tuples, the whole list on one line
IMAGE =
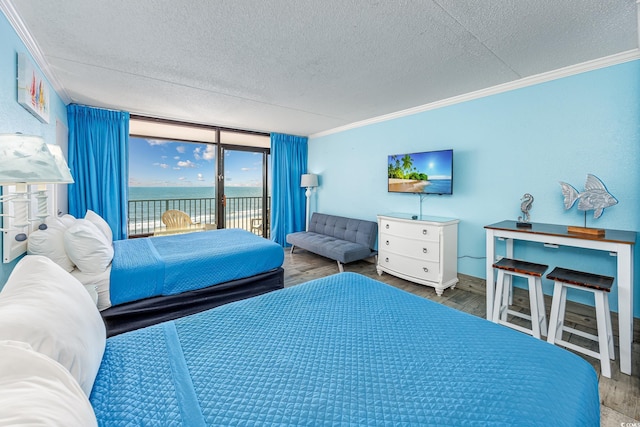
[(422, 250)]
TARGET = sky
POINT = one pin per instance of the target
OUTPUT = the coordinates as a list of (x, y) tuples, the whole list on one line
[(436, 164), (164, 163)]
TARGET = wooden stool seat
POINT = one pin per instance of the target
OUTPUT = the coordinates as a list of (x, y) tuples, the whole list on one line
[(533, 272), (580, 278), (524, 267), (600, 286)]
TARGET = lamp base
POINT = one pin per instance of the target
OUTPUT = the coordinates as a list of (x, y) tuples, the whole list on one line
[(308, 194)]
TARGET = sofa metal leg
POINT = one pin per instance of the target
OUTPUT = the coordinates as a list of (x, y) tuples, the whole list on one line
[(340, 267), (292, 246)]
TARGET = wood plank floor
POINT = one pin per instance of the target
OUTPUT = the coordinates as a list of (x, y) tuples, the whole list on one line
[(619, 395)]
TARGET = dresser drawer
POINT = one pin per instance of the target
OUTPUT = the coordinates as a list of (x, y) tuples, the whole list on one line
[(421, 249), (410, 230), (420, 269)]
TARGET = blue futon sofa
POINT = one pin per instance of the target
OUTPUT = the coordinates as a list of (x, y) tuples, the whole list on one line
[(341, 239)]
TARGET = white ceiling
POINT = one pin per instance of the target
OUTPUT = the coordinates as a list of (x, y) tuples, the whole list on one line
[(307, 66)]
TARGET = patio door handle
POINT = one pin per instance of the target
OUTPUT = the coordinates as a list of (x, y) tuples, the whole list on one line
[(224, 201)]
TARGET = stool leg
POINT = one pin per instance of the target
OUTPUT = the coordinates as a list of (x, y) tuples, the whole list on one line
[(507, 296), (497, 303), (541, 307), (603, 337), (556, 321), (533, 304), (612, 353), (563, 309)]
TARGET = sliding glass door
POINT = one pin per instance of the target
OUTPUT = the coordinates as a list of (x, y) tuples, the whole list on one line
[(214, 175), (243, 191)]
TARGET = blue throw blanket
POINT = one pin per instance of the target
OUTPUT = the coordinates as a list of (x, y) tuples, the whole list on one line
[(343, 350), (169, 265)]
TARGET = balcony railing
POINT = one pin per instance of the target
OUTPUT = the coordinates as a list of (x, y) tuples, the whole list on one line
[(144, 216)]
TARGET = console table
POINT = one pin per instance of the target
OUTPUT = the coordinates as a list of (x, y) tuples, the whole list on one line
[(617, 242)]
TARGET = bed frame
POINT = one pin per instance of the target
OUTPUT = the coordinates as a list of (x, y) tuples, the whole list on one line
[(149, 311)]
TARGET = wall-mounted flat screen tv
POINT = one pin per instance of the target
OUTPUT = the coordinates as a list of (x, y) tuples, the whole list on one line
[(429, 172)]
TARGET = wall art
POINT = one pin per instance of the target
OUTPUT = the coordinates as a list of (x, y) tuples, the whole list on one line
[(33, 90)]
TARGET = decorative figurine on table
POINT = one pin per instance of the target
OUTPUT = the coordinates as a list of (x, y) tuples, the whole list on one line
[(595, 197), (525, 207)]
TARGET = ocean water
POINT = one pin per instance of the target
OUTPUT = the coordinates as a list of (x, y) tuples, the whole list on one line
[(167, 193), (147, 204), (439, 186)]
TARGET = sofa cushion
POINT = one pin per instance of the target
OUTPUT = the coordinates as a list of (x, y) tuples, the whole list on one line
[(353, 230), (330, 247)]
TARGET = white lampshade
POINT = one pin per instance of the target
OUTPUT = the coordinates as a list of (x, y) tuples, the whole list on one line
[(63, 168), (309, 180), (27, 159)]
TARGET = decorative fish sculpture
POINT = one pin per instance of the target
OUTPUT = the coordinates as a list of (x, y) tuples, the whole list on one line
[(594, 197)]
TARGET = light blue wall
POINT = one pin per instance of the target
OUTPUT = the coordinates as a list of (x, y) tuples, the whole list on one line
[(13, 117), (505, 145)]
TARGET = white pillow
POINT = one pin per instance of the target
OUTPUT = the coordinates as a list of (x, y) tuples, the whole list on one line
[(87, 247), (99, 282), (67, 220), (37, 391), (93, 293), (43, 305), (58, 222), (55, 221), (99, 222), (50, 243)]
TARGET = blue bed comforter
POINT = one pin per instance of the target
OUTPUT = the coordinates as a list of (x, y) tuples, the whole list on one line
[(169, 265), (343, 350)]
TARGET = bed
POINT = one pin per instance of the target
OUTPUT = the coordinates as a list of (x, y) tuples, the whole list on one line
[(140, 282), (342, 350), (160, 278)]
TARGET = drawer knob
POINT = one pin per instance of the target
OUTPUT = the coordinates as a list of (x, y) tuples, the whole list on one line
[(426, 270), (424, 250), (387, 243), (386, 226), (386, 259), (424, 231)]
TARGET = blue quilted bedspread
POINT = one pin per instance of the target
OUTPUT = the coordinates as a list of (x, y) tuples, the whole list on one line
[(343, 350), (169, 265)]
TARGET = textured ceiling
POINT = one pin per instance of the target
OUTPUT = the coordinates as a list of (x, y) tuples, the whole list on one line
[(307, 66)]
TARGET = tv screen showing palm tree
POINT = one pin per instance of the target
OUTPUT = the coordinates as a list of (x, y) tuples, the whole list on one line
[(429, 172)]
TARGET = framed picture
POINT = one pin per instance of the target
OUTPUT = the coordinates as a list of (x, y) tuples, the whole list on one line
[(33, 90)]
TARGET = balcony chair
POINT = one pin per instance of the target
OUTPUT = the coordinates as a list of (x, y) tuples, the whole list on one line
[(257, 227), (177, 222), (174, 218)]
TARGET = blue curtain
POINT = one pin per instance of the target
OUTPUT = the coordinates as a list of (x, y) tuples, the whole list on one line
[(288, 203), (99, 163)]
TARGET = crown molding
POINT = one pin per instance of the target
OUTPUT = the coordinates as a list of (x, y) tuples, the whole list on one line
[(20, 28), (607, 61)]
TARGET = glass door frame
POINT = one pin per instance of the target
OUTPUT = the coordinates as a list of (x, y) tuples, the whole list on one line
[(220, 188)]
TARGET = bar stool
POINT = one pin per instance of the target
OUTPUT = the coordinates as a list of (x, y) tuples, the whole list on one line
[(533, 273), (600, 286)]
